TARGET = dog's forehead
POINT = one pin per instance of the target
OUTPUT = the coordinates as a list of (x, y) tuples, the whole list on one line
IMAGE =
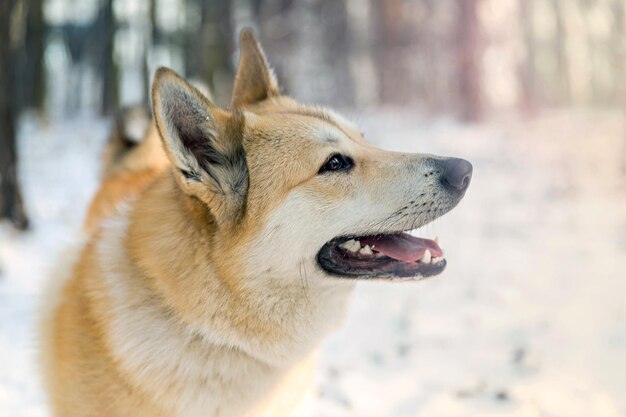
[(318, 123)]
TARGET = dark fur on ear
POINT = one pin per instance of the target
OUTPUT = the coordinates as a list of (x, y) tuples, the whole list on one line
[(255, 81), (204, 143)]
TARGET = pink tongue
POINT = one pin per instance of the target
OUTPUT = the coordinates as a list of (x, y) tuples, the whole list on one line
[(402, 247)]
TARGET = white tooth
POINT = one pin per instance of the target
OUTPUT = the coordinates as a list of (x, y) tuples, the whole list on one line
[(436, 239), (437, 259), (426, 257), (351, 245), (366, 250), (347, 244)]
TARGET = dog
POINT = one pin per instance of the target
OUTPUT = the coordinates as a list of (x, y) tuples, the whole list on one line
[(133, 157), (207, 290)]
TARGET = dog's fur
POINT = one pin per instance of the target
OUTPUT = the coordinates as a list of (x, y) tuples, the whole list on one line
[(198, 291), (133, 157)]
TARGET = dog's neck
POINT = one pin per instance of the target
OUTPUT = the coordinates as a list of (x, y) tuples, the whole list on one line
[(274, 319)]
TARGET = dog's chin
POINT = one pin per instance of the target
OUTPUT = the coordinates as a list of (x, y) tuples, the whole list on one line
[(393, 256)]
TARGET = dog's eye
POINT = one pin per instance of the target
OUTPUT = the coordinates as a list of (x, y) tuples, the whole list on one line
[(337, 162)]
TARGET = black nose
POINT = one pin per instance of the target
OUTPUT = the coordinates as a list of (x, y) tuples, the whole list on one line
[(456, 173)]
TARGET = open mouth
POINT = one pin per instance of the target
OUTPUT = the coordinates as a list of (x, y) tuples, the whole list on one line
[(385, 256)]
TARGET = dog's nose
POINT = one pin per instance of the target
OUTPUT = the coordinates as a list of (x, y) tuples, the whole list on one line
[(456, 173)]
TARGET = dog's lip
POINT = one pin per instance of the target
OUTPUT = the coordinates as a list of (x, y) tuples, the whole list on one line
[(340, 259)]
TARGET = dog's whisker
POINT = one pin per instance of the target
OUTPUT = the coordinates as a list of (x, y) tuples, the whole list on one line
[(268, 234), (304, 282)]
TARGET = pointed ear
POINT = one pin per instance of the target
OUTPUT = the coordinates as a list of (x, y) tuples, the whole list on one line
[(203, 143), (255, 81)]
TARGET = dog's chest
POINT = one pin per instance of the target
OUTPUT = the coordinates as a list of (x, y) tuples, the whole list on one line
[(187, 377), (235, 387)]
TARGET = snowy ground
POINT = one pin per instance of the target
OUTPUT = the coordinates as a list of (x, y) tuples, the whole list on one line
[(528, 320)]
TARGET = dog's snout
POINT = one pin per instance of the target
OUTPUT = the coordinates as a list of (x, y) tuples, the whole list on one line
[(456, 173)]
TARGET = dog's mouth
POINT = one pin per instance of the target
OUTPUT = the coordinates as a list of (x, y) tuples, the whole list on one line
[(385, 256)]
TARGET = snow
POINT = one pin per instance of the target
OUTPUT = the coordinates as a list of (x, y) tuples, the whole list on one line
[(527, 320), (59, 171)]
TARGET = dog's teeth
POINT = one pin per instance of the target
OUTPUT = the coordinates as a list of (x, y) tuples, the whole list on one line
[(426, 258), (351, 245), (436, 239), (366, 250), (437, 259)]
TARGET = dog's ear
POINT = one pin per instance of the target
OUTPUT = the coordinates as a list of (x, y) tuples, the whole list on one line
[(255, 81), (203, 142)]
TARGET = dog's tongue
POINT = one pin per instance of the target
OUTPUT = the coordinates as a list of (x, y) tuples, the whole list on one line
[(402, 247)]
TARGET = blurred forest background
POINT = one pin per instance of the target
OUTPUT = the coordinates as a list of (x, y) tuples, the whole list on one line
[(468, 59), (529, 319)]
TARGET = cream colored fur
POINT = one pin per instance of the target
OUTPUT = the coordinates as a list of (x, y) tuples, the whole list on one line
[(198, 292)]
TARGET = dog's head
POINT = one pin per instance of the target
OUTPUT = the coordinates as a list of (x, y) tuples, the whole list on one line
[(293, 188)]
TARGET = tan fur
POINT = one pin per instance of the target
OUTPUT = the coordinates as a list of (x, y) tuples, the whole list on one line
[(200, 295), (125, 175)]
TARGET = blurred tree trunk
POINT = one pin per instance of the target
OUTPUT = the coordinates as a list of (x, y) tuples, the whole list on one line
[(364, 77), (588, 26), (337, 51), (191, 39), (257, 8), (562, 64), (264, 9), (33, 84), (393, 74), (210, 48), (151, 41), (469, 55), (11, 205), (277, 31), (527, 67), (430, 50), (110, 93), (618, 50), (145, 69)]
